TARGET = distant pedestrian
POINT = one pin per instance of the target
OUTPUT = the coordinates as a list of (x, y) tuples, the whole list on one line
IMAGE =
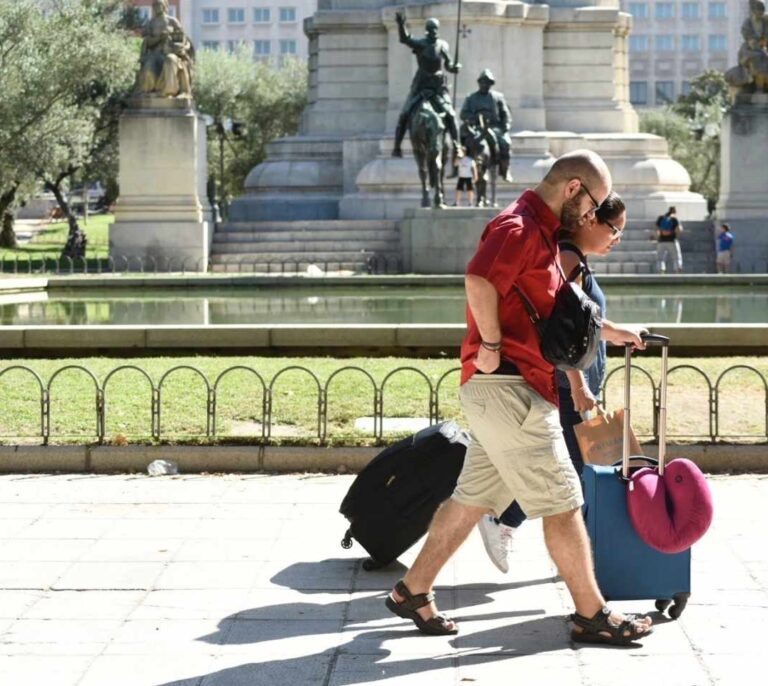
[(668, 230), (467, 180), (724, 249)]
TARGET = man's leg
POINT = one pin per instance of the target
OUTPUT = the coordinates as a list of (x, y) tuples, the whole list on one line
[(449, 529), (402, 125), (568, 545), (678, 253)]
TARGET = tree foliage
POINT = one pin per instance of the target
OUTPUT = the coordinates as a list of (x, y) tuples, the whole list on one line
[(61, 72), (267, 98), (692, 128)]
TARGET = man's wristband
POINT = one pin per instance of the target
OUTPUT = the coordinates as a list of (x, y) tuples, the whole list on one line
[(493, 347)]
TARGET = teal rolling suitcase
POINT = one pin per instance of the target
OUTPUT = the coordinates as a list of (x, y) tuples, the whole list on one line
[(626, 567)]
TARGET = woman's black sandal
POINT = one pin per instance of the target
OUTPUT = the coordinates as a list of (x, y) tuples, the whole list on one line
[(437, 625), (599, 630)]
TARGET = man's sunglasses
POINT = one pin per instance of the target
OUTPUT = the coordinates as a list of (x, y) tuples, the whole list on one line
[(591, 212)]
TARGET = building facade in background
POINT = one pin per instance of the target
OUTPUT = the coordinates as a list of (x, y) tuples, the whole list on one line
[(673, 41), (145, 7)]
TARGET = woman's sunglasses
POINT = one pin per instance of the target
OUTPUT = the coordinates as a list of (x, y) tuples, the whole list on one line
[(615, 231)]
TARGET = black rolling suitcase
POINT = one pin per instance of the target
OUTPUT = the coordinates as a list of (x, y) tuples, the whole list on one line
[(392, 501)]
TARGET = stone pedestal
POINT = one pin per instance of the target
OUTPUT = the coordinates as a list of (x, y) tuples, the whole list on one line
[(744, 181), (163, 218)]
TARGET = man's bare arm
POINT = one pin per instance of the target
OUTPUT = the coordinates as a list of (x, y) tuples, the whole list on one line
[(483, 301)]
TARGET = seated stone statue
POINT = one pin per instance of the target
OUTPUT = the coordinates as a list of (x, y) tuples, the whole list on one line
[(752, 73), (166, 56)]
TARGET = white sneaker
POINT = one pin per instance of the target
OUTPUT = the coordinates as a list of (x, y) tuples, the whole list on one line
[(497, 538)]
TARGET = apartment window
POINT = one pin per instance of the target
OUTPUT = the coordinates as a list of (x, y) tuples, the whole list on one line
[(287, 47), (145, 12), (638, 92), (262, 48), (287, 15), (717, 43), (638, 43), (235, 15), (717, 10), (691, 10), (262, 15), (685, 87), (210, 45), (211, 15), (664, 42), (172, 10), (665, 92), (691, 43), (639, 10), (664, 10), (233, 45)]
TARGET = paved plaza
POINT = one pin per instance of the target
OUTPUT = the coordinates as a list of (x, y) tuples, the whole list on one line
[(228, 580)]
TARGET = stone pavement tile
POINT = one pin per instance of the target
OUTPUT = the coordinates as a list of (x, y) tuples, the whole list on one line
[(131, 550), (225, 549), (252, 514), (13, 527), (260, 639), (524, 632), (330, 574), (189, 575), (86, 605), (726, 630), (66, 528), (152, 636), (411, 670), (13, 604), (304, 670), (225, 528), (110, 575), (599, 666), (64, 670), (734, 670), (88, 510), (503, 668), (31, 574), (160, 511), (27, 511), (71, 636), (170, 669), (289, 604), (396, 637), (191, 604), (157, 529), (42, 550)]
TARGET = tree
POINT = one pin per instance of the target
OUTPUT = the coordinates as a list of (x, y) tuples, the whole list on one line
[(267, 99), (692, 127), (60, 72)]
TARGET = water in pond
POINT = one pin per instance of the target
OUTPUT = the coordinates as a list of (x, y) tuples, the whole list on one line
[(355, 305)]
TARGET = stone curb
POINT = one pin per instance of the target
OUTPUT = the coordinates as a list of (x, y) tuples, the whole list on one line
[(713, 458)]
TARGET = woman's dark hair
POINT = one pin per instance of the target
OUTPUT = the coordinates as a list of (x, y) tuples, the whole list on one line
[(611, 208), (609, 211)]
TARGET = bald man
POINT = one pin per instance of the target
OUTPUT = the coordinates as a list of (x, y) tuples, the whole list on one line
[(508, 395)]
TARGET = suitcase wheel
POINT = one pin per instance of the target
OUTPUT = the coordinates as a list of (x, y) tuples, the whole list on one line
[(370, 565), (681, 600), (663, 604), (346, 542)]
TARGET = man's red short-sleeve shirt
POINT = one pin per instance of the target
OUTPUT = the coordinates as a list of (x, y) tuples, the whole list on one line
[(513, 250)]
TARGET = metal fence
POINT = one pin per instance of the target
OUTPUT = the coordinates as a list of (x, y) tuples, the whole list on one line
[(14, 263), (378, 401)]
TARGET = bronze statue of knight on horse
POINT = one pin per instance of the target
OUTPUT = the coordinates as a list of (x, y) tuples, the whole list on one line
[(427, 113)]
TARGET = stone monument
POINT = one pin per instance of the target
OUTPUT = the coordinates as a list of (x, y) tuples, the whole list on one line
[(562, 66), (743, 144), (163, 218)]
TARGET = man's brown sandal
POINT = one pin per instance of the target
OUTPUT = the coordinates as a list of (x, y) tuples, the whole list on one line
[(598, 629), (437, 625)]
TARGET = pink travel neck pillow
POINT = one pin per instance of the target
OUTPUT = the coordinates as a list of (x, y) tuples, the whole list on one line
[(671, 512)]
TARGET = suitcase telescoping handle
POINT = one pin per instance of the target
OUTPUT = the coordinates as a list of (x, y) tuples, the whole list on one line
[(663, 341)]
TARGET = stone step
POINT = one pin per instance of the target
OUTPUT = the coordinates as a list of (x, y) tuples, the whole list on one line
[(305, 247), (314, 225), (269, 236)]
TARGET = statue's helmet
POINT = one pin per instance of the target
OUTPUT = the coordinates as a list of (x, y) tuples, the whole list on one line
[(432, 24), (487, 76)]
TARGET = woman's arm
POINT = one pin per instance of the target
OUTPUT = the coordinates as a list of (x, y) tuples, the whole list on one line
[(619, 334), (583, 400)]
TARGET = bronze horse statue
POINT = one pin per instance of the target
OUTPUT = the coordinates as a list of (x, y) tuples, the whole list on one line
[(427, 133)]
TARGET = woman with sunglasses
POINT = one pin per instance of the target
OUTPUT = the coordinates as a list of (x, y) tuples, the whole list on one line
[(596, 233)]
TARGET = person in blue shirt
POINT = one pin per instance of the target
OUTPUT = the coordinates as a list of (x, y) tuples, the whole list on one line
[(724, 249), (577, 390)]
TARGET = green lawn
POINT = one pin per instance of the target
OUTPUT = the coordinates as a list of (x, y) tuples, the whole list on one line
[(184, 398), (48, 243)]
